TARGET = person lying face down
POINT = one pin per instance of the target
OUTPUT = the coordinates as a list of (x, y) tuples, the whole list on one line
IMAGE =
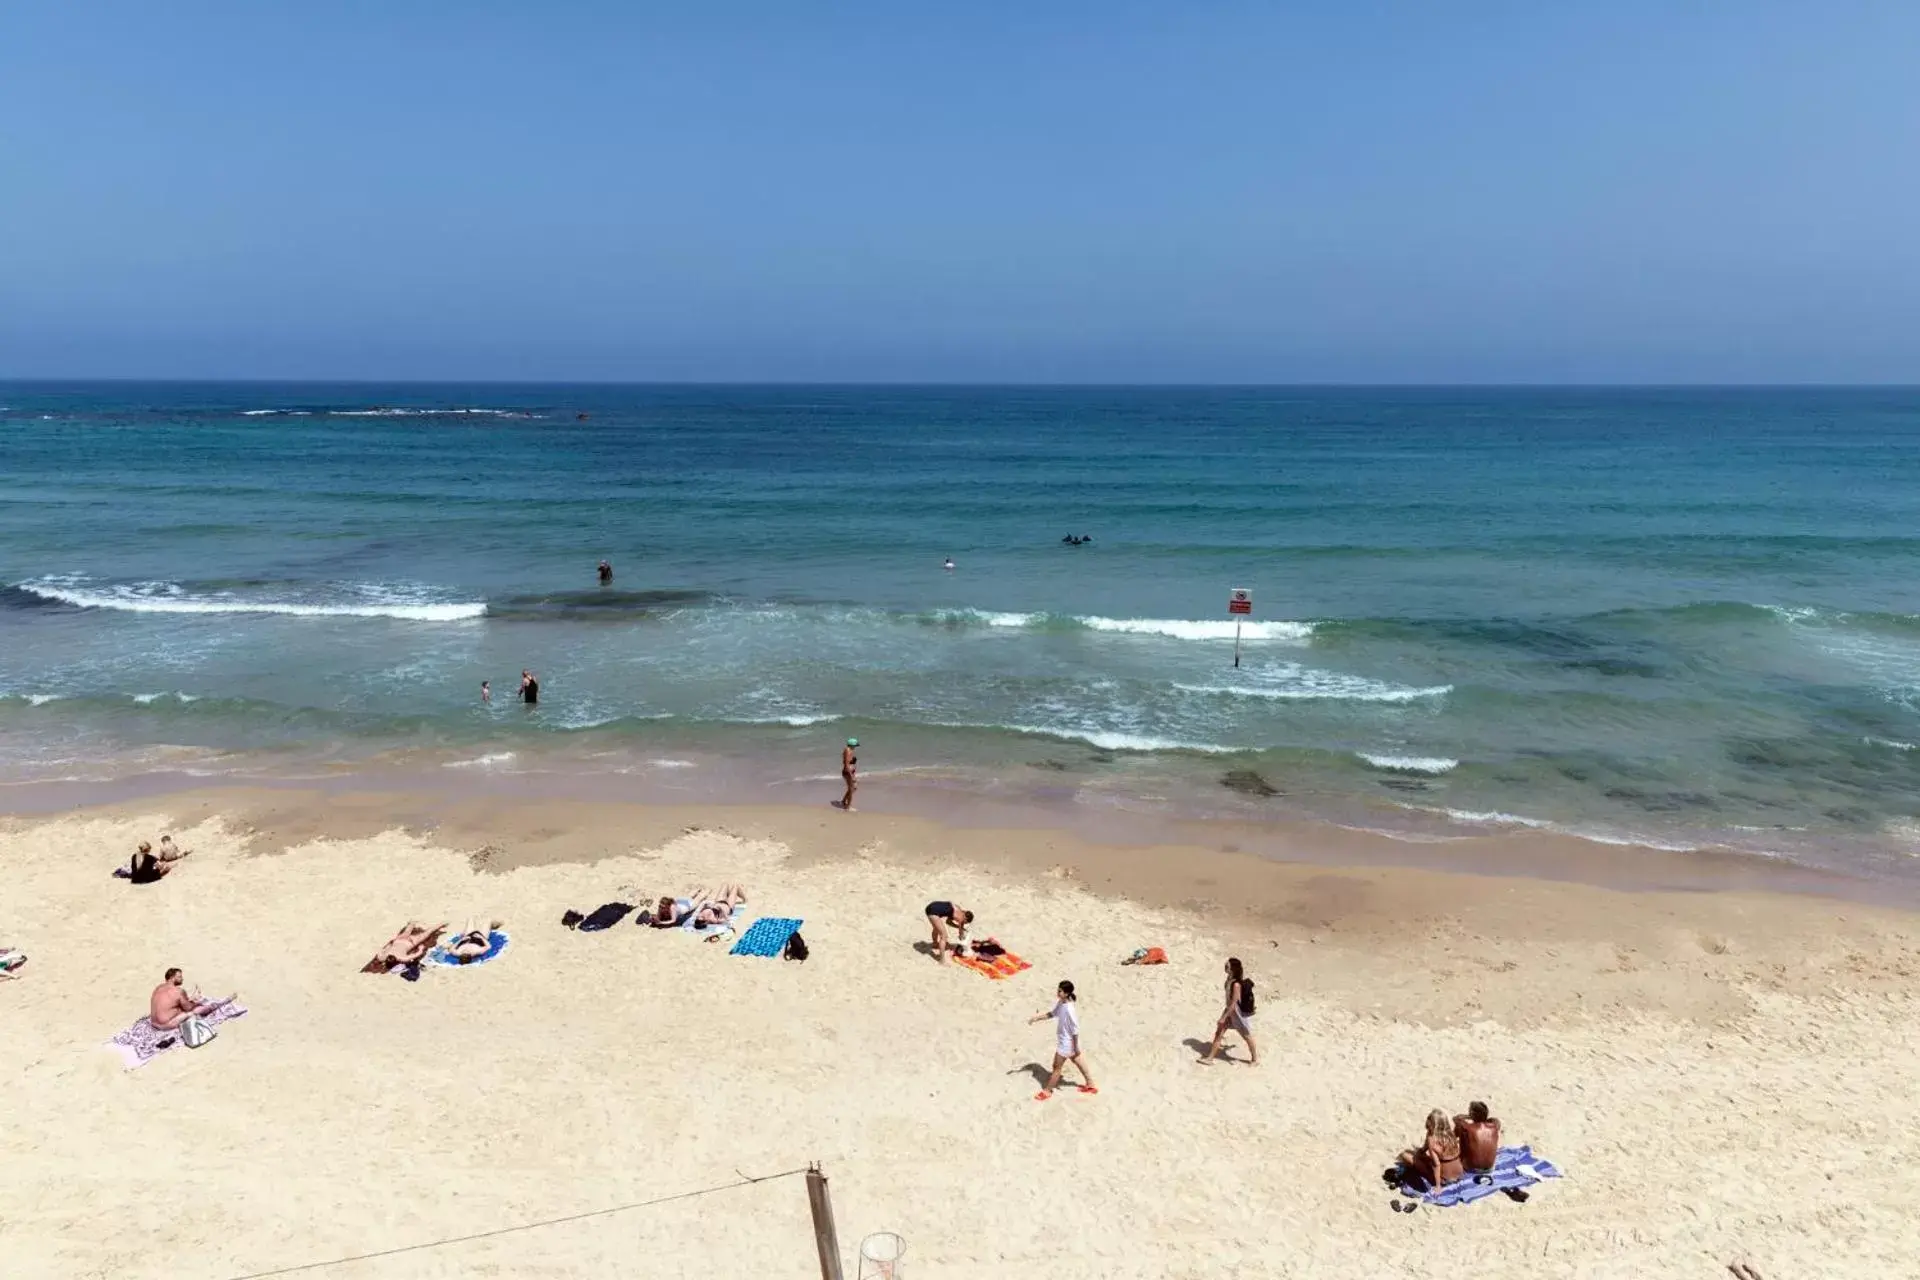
[(405, 949)]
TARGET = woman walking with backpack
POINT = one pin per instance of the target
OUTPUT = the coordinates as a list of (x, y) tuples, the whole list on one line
[(1238, 1015)]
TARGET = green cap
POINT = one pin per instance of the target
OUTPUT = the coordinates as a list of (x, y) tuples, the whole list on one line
[(853, 742)]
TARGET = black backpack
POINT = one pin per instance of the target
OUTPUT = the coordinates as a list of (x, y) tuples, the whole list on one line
[(1246, 997), (796, 946)]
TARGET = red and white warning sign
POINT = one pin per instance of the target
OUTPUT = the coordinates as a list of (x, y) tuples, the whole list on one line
[(1240, 600)]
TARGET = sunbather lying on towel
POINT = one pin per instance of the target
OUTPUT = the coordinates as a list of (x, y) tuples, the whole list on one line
[(667, 914), (716, 906), (1437, 1158), (405, 949), (472, 944), (10, 962)]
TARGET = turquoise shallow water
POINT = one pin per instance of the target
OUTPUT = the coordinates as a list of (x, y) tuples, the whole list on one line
[(1685, 616)]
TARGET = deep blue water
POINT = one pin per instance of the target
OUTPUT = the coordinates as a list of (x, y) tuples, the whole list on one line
[(1692, 616)]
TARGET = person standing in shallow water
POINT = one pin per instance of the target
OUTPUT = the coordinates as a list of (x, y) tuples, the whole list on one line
[(849, 772), (529, 688), (606, 573)]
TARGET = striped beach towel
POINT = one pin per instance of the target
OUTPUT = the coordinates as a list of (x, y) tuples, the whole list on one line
[(1004, 965)]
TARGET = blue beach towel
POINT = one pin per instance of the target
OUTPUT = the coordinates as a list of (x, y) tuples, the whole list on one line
[(1513, 1167), (767, 937), (496, 943)]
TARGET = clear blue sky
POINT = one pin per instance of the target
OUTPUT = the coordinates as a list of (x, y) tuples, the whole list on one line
[(1054, 191)]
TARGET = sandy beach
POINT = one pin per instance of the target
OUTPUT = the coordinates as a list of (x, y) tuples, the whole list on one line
[(1720, 1076)]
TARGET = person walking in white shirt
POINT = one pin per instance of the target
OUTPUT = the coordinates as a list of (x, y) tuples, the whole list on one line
[(1066, 1018)]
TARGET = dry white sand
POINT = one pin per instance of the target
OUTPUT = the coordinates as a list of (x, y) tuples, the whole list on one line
[(1764, 1113)]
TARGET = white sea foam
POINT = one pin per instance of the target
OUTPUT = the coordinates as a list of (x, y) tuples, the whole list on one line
[(1200, 628), (1292, 682), (425, 413), (129, 600), (1109, 740), (145, 699), (672, 764), (1409, 764), (988, 617), (1493, 818), (42, 699), (481, 762), (1895, 743)]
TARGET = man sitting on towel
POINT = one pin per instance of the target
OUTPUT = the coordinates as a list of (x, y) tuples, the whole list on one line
[(171, 1005), (1479, 1138)]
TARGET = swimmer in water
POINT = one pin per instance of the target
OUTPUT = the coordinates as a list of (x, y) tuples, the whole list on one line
[(486, 691), (606, 573), (948, 565), (529, 688)]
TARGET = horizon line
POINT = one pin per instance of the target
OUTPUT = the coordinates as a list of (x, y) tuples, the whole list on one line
[(982, 385)]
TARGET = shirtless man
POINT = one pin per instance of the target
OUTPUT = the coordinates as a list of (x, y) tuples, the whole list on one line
[(943, 915), (171, 1005), (1479, 1138)]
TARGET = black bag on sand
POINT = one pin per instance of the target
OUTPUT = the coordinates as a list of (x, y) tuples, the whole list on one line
[(796, 947)]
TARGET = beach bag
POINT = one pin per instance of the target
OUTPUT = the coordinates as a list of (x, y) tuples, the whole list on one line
[(796, 946), (1246, 997), (195, 1032)]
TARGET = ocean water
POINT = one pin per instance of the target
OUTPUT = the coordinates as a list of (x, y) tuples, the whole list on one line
[(1684, 617)]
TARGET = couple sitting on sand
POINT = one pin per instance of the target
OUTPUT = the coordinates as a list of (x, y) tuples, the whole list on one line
[(147, 866), (703, 908), (1452, 1149)]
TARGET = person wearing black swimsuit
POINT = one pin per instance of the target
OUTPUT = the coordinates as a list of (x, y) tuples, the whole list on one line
[(849, 772), (942, 916)]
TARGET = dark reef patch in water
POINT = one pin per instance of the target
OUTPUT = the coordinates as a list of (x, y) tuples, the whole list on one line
[(1248, 783)]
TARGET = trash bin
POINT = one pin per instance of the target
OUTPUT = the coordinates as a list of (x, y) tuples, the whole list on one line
[(880, 1255)]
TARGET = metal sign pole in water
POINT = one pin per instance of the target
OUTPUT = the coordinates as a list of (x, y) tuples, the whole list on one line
[(1239, 604)]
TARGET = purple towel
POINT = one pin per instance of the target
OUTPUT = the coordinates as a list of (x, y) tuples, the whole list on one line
[(140, 1043)]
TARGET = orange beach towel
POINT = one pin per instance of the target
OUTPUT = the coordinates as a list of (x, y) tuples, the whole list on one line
[(1001, 966)]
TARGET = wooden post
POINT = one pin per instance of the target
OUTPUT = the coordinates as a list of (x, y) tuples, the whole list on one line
[(825, 1237)]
